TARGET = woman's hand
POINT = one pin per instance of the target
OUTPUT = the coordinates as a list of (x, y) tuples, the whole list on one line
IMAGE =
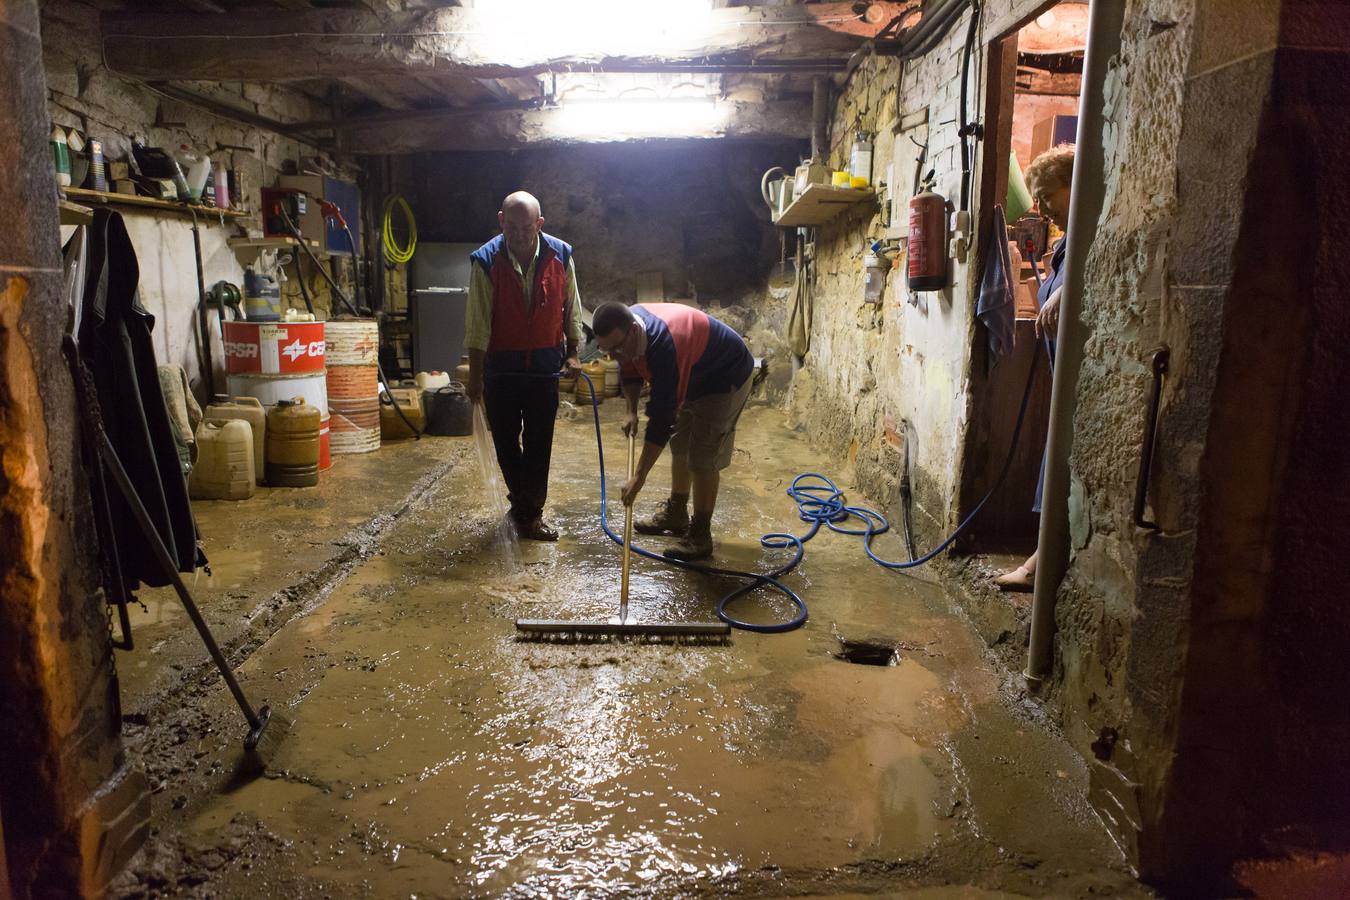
[(1047, 320)]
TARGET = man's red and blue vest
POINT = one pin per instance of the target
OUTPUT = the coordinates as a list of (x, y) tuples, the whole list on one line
[(526, 339)]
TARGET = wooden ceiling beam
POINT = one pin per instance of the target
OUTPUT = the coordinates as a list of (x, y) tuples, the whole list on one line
[(511, 129), (465, 42)]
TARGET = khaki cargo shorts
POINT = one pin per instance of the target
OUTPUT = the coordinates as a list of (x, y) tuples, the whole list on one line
[(705, 429)]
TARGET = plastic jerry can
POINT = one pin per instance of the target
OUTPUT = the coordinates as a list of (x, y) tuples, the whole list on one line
[(409, 400), (293, 444), (249, 410), (224, 469), (430, 381), (596, 371)]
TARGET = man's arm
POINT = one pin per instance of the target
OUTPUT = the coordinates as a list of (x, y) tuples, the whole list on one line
[(632, 390), (572, 318), (477, 328)]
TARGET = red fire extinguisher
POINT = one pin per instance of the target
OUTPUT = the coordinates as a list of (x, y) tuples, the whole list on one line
[(927, 240)]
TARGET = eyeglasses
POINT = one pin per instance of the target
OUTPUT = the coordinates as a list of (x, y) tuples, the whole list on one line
[(618, 348)]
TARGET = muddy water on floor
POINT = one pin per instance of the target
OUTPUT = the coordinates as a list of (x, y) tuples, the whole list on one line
[(433, 753)]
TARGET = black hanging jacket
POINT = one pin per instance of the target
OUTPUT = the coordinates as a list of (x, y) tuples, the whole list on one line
[(115, 344)]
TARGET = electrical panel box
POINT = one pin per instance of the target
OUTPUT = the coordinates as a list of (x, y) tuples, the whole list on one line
[(343, 194)]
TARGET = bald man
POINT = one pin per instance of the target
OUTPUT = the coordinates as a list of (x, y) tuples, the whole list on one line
[(522, 327)]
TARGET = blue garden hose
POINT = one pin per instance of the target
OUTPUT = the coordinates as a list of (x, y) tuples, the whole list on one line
[(819, 503), (755, 580)]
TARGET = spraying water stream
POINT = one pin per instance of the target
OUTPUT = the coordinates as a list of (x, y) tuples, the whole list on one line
[(494, 492)]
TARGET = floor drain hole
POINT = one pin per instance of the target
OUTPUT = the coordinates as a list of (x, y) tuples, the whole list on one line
[(866, 653)]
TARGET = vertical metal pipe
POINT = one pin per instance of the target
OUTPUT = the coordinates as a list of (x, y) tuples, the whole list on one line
[(820, 113), (1105, 20)]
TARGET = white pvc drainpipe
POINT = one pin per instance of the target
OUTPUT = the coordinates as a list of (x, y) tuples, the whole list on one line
[(1105, 21)]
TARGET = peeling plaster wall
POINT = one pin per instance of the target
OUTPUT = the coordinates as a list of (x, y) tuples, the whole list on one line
[(84, 95)]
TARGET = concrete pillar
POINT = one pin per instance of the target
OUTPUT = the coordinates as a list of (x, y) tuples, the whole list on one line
[(73, 808)]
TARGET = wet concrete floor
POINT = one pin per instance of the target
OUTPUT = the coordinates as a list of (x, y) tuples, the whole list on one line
[(432, 754)]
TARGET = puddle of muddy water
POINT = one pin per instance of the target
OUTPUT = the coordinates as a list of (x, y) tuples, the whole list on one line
[(432, 753)]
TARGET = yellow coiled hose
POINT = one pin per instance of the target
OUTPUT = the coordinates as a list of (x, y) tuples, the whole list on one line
[(392, 251)]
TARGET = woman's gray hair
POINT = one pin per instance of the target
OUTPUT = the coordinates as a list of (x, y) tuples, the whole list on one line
[(1051, 170)]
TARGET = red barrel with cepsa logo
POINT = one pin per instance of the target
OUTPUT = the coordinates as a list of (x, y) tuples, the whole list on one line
[(273, 348)]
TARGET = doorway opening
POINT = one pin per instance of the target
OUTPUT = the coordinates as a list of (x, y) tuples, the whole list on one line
[(1034, 75)]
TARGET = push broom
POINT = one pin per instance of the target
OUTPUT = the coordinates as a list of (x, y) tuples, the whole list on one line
[(563, 631)]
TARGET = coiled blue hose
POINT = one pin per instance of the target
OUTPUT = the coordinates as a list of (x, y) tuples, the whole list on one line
[(820, 503)]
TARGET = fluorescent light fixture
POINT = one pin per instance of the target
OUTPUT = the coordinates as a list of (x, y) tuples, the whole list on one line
[(645, 118)]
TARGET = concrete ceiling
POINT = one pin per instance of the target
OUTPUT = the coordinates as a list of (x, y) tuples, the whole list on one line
[(408, 75)]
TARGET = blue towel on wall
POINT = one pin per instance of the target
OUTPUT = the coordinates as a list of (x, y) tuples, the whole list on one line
[(997, 307)]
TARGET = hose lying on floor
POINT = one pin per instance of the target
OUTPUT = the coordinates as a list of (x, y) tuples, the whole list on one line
[(820, 503)]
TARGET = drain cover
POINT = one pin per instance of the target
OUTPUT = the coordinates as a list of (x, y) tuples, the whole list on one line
[(867, 653)]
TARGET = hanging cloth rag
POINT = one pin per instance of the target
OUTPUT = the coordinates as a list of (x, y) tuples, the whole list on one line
[(184, 414), (799, 319), (115, 345), (997, 307)]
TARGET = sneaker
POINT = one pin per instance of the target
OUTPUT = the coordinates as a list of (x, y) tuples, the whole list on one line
[(693, 546), (536, 530), (672, 518)]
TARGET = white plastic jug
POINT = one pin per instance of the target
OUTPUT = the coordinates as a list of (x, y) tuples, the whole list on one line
[(430, 381)]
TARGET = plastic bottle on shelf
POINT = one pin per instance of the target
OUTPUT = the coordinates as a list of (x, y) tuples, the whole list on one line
[(195, 169), (61, 155), (860, 160)]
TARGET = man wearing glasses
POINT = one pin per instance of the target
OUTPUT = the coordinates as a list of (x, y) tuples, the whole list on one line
[(699, 371)]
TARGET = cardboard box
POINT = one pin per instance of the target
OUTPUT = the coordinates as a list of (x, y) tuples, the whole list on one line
[(1052, 132), (119, 171), (124, 186)]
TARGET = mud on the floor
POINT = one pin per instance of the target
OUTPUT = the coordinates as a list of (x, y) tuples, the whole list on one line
[(434, 755)]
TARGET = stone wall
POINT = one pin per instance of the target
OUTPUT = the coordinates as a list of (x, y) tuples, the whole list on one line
[(1191, 663), (1198, 663), (84, 95), (74, 807), (872, 367)]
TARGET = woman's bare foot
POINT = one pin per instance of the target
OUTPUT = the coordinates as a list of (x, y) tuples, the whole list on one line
[(1019, 579), (1022, 578)]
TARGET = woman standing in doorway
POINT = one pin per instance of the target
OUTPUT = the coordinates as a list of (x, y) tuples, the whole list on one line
[(1049, 177)]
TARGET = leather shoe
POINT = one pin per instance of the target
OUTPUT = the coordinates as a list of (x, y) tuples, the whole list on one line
[(536, 530)]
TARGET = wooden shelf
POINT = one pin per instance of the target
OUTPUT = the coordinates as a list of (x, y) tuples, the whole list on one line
[(819, 203), (247, 250), (209, 212), (75, 214), (268, 243)]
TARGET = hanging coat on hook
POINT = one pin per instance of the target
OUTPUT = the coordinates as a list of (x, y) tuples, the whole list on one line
[(116, 347)]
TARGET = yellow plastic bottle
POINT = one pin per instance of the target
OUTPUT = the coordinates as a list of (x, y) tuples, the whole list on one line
[(293, 444)]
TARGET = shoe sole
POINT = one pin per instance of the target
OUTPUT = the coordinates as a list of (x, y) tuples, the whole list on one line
[(701, 556)]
